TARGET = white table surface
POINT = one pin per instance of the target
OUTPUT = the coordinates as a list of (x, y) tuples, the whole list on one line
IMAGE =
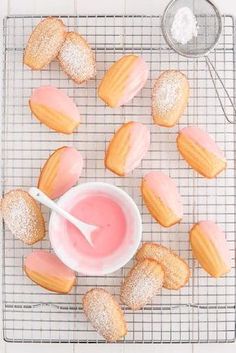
[(72, 7)]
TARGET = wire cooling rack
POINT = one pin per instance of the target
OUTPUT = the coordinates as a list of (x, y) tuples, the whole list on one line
[(203, 311)]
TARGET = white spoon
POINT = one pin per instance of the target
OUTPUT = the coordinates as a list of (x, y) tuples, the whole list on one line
[(85, 228)]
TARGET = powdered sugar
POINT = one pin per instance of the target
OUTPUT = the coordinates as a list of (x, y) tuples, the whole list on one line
[(21, 218), (167, 91), (77, 58), (104, 314), (184, 26)]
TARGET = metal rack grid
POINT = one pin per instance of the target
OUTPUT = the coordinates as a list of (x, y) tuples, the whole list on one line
[(203, 311)]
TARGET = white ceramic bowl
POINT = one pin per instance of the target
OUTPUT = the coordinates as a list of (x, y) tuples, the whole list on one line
[(73, 258)]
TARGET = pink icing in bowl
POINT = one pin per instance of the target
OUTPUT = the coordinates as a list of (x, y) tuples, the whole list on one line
[(115, 241)]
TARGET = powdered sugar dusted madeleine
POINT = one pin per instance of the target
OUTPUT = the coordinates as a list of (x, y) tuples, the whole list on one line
[(169, 97), (201, 152), (44, 43), (23, 216), (49, 272), (60, 172), (210, 248), (127, 148), (77, 58), (176, 270), (52, 107), (105, 314), (123, 80), (162, 199), (143, 282)]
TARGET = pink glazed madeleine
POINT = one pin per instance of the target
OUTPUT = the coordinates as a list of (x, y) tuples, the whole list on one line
[(210, 248), (60, 172), (123, 80), (52, 107), (162, 198), (49, 272), (127, 148), (200, 151)]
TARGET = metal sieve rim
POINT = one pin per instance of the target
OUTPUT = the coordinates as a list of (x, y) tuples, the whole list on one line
[(170, 42)]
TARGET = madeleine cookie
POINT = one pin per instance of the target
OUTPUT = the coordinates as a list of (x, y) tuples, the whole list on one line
[(201, 152), (162, 198), (169, 97), (77, 58), (49, 272), (127, 148), (123, 80), (52, 107), (60, 172), (143, 282), (210, 248), (44, 43), (176, 270), (23, 216), (105, 314)]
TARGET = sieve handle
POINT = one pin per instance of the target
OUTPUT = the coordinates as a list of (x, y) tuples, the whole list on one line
[(211, 68)]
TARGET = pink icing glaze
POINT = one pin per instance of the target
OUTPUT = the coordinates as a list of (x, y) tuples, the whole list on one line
[(56, 99), (138, 146), (102, 211), (165, 188), (203, 139), (216, 236), (137, 79), (41, 261), (69, 171)]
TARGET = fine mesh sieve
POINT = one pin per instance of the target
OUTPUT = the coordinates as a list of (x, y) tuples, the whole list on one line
[(209, 24)]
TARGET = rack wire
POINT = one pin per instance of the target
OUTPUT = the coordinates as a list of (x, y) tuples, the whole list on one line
[(203, 311)]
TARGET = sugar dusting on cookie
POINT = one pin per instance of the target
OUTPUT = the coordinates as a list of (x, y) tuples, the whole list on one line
[(22, 216), (167, 92)]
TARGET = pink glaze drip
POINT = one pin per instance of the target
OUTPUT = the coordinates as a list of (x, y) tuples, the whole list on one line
[(137, 79), (203, 139), (46, 263), (216, 236), (105, 213), (69, 171), (165, 188), (56, 99), (138, 146)]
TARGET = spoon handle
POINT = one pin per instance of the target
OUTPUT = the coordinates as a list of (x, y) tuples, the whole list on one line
[(38, 195)]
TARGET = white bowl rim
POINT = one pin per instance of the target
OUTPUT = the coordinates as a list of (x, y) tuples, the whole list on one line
[(137, 239)]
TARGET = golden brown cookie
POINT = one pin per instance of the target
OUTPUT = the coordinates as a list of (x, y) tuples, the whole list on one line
[(77, 58), (49, 272), (105, 314), (169, 97), (44, 43), (201, 152), (142, 283), (23, 216), (176, 270)]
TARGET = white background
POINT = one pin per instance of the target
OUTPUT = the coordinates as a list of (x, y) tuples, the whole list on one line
[(73, 7)]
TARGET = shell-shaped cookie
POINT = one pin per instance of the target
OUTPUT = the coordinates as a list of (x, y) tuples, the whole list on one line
[(49, 272), (162, 198), (23, 216), (210, 248), (142, 283), (175, 268), (123, 80), (44, 43), (52, 107), (169, 97), (201, 152), (105, 314), (60, 172), (127, 148), (77, 58)]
